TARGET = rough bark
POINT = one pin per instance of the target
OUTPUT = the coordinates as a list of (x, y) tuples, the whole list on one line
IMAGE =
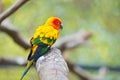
[(52, 66)]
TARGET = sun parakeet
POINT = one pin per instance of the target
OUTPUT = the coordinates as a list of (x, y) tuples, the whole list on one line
[(44, 37)]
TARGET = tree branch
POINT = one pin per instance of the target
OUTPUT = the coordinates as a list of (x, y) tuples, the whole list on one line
[(8, 28), (20, 61), (73, 40), (52, 66), (78, 71), (101, 73), (12, 9), (12, 61)]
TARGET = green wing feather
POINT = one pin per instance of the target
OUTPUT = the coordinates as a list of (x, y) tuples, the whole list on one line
[(36, 41)]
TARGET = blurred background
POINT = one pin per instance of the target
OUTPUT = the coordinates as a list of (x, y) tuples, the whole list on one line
[(101, 17)]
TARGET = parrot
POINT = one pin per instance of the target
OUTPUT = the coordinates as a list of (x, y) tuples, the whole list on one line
[(42, 40)]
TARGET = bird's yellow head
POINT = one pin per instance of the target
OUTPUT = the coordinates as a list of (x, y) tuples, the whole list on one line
[(55, 22)]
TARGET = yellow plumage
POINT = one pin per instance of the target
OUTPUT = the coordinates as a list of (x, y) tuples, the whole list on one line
[(47, 32)]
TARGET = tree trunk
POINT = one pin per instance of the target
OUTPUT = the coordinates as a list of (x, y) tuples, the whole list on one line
[(52, 66)]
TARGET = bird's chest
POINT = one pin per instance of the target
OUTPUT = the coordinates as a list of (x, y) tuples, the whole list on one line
[(49, 37)]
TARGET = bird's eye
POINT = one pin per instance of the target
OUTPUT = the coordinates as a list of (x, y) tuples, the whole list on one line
[(57, 22)]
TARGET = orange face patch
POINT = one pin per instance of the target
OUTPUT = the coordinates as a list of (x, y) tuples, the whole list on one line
[(56, 23)]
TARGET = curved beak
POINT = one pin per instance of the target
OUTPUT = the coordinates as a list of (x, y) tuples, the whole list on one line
[(61, 26)]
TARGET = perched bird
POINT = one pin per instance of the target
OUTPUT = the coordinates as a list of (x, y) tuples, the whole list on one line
[(44, 37)]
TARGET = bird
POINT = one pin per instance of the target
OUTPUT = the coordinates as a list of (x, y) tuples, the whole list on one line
[(42, 40)]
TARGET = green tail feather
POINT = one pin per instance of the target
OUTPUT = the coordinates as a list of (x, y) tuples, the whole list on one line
[(26, 69)]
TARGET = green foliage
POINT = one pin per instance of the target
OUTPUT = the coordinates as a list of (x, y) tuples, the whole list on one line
[(102, 17)]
